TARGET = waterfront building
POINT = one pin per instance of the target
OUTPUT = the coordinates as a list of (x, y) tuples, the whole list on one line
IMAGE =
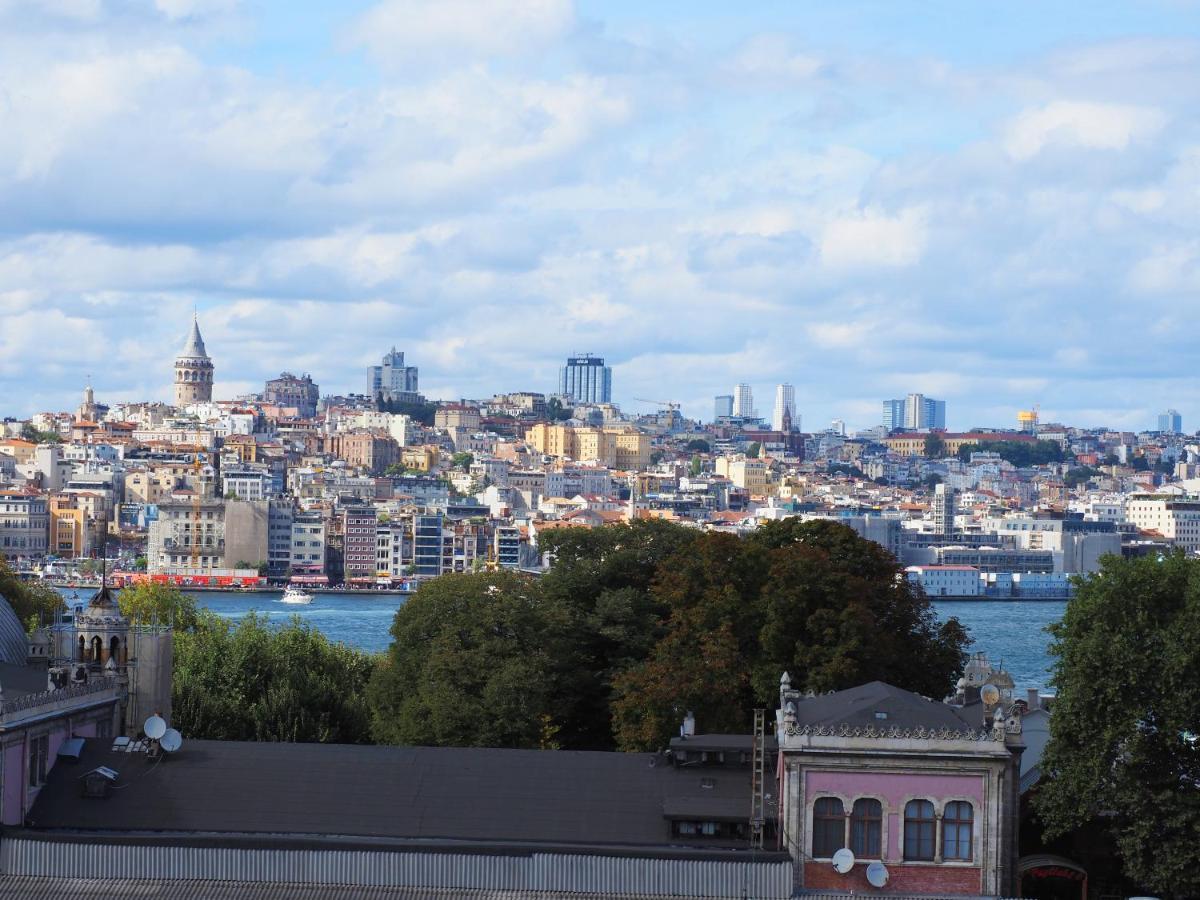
[(308, 546), (393, 381), (586, 379), (1170, 422), (193, 371), (783, 418), (358, 544), (24, 524), (291, 390), (946, 581), (1175, 518)]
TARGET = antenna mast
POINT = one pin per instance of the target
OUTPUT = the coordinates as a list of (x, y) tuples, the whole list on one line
[(758, 802)]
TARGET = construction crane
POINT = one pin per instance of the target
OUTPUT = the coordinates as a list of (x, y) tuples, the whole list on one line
[(667, 403)]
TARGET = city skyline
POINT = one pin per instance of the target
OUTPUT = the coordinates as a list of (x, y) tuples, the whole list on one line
[(981, 212)]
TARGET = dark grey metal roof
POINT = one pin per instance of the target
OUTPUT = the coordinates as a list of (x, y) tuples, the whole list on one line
[(881, 705), (407, 793), (39, 888)]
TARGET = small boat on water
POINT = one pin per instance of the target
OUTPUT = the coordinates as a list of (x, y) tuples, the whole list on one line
[(293, 594)]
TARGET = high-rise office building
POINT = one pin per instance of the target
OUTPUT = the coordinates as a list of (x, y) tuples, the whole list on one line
[(743, 401), (1170, 422), (915, 412), (586, 379), (722, 406), (784, 416), (393, 379)]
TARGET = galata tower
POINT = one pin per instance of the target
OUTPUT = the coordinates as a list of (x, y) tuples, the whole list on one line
[(193, 371)]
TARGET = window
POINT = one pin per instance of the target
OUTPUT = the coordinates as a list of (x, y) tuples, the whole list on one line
[(866, 828), (957, 822), (39, 752), (829, 827), (918, 830)]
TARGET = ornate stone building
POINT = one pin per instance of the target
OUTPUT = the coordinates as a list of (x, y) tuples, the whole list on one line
[(193, 371)]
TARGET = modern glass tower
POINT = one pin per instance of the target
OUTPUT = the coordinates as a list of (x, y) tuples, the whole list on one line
[(586, 379)]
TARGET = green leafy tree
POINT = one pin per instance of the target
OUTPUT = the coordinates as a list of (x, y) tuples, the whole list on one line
[(696, 466), (29, 433), (811, 598), (556, 412), (149, 603), (698, 445), (753, 450), (1125, 735), (935, 445), (601, 578), (250, 681), (931, 481), (470, 665), (1075, 477), (1020, 453), (462, 461), (34, 603)]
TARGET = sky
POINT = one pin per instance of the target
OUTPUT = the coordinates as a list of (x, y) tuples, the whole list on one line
[(994, 204)]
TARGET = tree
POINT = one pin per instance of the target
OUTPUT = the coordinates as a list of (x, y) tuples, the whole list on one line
[(33, 603), (753, 450), (470, 665), (810, 598), (935, 445), (932, 480), (698, 445), (601, 578), (29, 433), (252, 682), (556, 412), (696, 466), (1020, 453), (462, 461), (1124, 744), (656, 456), (149, 603), (1075, 477)]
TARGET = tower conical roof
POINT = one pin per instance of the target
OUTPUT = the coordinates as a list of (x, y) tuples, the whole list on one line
[(194, 348)]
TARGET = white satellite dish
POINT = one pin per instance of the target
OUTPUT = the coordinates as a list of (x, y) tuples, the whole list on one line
[(843, 860), (171, 741), (155, 727), (877, 874), (989, 694)]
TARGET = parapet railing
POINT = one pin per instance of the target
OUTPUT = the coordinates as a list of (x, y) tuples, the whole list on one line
[(892, 731), (30, 701)]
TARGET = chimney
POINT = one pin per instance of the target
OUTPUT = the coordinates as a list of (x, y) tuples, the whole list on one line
[(688, 728)]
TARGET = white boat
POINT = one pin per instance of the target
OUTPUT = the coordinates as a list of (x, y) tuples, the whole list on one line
[(294, 595)]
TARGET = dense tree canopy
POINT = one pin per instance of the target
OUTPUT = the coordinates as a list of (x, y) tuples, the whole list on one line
[(471, 665), (634, 625), (1020, 453), (33, 603), (251, 681), (1125, 734), (149, 603)]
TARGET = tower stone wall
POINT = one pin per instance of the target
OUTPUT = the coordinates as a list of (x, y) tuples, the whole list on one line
[(193, 371)]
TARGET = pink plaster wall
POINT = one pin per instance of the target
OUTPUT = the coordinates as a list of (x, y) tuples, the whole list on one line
[(896, 788), (14, 784)]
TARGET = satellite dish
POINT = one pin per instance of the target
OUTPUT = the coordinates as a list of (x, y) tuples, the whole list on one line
[(171, 741), (155, 727), (843, 860), (877, 874), (990, 694)]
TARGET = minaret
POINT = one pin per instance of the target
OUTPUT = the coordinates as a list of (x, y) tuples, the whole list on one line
[(193, 370)]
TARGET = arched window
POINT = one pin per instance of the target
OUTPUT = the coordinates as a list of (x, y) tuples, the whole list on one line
[(957, 821), (918, 830), (114, 650), (82, 649), (97, 648), (829, 827), (866, 828)]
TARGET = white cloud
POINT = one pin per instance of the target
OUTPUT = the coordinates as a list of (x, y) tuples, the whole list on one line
[(1097, 126), (872, 238), (405, 33)]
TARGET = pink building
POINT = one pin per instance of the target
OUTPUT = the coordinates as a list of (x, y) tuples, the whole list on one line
[(924, 795)]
